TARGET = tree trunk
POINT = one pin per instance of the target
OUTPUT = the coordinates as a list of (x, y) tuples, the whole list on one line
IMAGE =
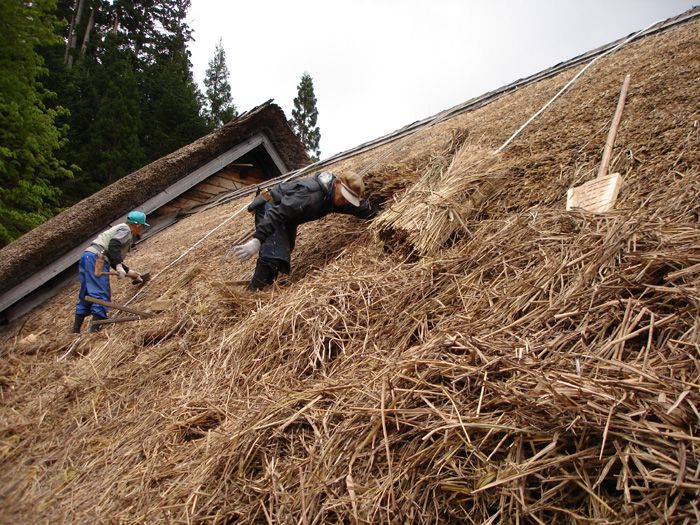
[(88, 30), (115, 27), (71, 28), (73, 40)]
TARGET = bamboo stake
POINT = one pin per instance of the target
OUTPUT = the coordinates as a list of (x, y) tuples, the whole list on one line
[(117, 306), (117, 320), (607, 152)]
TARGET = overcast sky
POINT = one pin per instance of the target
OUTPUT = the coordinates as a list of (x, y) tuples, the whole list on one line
[(378, 65)]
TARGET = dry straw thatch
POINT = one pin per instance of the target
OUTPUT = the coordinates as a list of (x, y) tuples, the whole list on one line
[(478, 355)]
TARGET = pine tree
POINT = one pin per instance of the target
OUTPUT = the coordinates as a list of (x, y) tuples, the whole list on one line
[(130, 88), (305, 116), (174, 114), (105, 98), (29, 135), (219, 101), (114, 143)]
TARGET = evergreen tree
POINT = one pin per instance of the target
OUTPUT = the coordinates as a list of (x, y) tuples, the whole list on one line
[(29, 136), (173, 115), (305, 116), (114, 147), (77, 92), (219, 101), (103, 93), (124, 71)]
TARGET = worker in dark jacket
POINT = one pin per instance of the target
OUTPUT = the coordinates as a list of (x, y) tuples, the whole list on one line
[(107, 250), (279, 210)]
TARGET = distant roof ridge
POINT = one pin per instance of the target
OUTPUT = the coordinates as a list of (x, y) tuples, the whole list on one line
[(252, 110)]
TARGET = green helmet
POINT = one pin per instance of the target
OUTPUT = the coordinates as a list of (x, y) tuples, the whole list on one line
[(137, 217)]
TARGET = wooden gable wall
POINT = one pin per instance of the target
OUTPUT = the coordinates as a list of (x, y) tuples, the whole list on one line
[(232, 177)]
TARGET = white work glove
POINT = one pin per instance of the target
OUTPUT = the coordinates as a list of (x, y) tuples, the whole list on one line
[(243, 252), (135, 276), (121, 271)]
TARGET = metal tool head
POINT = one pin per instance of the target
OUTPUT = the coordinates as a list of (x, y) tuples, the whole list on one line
[(145, 277)]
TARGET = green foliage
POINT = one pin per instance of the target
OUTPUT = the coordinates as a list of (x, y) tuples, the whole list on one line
[(123, 70), (114, 145), (105, 125), (219, 100), (172, 108), (131, 93), (29, 136), (305, 116), (172, 112)]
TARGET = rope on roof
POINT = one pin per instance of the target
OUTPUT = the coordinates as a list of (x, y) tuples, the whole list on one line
[(570, 82), (188, 250)]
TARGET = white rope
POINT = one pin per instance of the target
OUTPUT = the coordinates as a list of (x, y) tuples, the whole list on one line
[(229, 218), (571, 82)]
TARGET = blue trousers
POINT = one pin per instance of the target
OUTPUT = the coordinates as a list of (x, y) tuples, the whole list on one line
[(90, 284)]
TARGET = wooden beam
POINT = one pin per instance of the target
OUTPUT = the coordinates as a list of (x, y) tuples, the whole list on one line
[(118, 306), (610, 142), (117, 320), (32, 283), (274, 155)]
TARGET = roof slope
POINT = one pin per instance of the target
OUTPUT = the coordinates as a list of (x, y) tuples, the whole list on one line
[(492, 358), (52, 239)]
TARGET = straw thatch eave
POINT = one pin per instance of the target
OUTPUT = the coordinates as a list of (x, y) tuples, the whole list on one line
[(49, 241), (534, 366)]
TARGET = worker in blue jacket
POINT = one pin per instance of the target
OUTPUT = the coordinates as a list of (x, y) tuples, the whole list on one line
[(282, 208), (107, 250)]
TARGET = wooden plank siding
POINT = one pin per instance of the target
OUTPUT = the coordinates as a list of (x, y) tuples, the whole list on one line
[(229, 178), (223, 182), (168, 209), (246, 177)]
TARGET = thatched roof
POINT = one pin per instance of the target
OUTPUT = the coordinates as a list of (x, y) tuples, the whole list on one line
[(73, 226), (482, 357)]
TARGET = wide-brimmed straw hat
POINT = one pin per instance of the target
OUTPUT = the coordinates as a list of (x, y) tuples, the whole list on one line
[(352, 187)]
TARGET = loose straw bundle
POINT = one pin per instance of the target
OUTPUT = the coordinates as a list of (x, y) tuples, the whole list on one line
[(453, 186)]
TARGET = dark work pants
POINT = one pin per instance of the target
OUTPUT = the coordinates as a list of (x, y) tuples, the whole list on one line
[(275, 253), (280, 244), (266, 271)]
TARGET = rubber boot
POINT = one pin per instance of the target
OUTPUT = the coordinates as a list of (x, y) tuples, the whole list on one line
[(95, 327), (78, 322), (265, 273)]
